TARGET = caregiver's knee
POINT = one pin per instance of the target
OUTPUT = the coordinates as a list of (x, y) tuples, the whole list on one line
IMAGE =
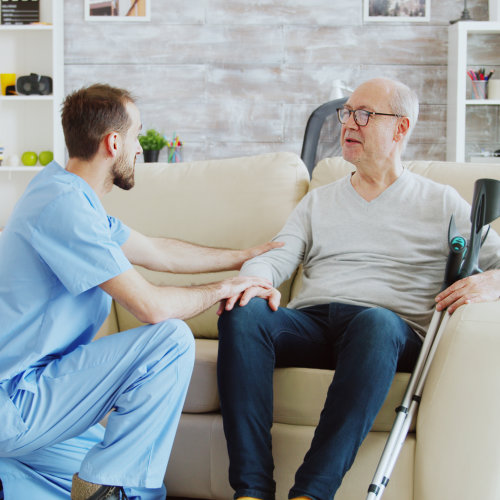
[(178, 331)]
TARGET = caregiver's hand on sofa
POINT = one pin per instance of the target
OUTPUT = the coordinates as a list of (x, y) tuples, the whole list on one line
[(255, 251), (272, 295), (482, 287)]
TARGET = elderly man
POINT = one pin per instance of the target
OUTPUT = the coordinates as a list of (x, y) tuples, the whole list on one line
[(62, 259), (373, 246)]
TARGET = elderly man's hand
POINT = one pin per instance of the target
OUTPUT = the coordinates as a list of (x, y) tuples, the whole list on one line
[(482, 287)]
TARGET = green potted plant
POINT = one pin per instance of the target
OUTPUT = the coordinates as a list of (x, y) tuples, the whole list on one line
[(152, 142)]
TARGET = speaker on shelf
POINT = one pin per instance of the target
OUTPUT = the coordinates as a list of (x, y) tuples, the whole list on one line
[(34, 84)]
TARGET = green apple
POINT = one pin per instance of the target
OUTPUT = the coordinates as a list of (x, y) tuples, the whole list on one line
[(29, 158), (45, 157)]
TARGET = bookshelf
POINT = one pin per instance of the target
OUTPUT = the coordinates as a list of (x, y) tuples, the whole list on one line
[(32, 122), (460, 107)]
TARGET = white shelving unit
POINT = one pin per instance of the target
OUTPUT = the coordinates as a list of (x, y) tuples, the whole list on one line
[(21, 169), (457, 83), (33, 123)]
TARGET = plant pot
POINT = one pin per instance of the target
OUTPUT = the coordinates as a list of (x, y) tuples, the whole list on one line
[(151, 156)]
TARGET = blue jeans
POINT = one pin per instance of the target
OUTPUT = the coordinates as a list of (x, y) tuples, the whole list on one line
[(365, 346)]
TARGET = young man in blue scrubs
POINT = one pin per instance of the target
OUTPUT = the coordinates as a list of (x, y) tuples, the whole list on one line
[(62, 260)]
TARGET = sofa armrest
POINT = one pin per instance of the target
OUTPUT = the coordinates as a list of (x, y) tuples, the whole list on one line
[(458, 433)]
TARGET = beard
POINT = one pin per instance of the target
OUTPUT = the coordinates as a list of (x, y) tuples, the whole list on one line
[(123, 173)]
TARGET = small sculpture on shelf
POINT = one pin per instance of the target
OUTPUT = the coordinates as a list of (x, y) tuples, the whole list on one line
[(465, 15)]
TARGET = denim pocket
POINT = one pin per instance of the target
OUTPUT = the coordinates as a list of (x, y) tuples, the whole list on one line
[(12, 422)]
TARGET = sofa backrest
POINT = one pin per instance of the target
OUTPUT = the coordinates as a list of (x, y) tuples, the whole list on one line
[(232, 203)]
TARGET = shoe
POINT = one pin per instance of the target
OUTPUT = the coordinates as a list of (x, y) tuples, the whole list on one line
[(83, 490)]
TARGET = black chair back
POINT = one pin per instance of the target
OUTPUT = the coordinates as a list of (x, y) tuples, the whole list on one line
[(322, 135)]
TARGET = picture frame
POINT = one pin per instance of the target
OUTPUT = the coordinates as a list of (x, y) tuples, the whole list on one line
[(118, 10), (397, 10)]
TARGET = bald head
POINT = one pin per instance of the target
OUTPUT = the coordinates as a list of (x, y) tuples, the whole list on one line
[(400, 98)]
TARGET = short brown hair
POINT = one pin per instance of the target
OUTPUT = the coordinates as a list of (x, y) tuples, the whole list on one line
[(89, 114)]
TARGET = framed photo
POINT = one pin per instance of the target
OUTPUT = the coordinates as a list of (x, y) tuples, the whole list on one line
[(117, 10), (397, 10)]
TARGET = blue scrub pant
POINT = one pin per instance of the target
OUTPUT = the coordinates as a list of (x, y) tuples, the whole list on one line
[(365, 345), (142, 374)]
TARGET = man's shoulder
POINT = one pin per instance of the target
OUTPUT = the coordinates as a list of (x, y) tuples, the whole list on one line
[(420, 181), (421, 190), (326, 193), (54, 200), (54, 186), (338, 184)]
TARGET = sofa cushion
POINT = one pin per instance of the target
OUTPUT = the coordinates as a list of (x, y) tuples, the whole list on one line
[(299, 393), (199, 462), (233, 203)]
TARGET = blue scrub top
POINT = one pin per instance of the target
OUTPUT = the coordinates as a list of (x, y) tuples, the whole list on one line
[(58, 246)]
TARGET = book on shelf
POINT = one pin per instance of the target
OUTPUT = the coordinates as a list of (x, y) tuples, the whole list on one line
[(20, 11)]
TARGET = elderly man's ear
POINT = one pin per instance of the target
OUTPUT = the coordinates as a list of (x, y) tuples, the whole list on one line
[(402, 129)]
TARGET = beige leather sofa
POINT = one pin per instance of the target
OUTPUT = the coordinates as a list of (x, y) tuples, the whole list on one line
[(453, 452)]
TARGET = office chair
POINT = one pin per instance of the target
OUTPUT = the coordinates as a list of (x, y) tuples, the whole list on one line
[(322, 134)]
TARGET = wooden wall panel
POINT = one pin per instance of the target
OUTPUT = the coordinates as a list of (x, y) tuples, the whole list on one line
[(233, 77), (272, 12), (364, 44)]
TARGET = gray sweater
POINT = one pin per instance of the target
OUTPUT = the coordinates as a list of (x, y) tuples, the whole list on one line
[(390, 252)]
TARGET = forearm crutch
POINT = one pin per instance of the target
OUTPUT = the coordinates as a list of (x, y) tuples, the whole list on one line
[(406, 410), (462, 261)]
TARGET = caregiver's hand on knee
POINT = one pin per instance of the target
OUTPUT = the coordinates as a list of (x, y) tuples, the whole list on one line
[(272, 295)]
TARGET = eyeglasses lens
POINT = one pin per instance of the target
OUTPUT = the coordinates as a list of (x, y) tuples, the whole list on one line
[(360, 116)]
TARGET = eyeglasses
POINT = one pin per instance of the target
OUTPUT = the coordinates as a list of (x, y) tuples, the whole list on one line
[(361, 116)]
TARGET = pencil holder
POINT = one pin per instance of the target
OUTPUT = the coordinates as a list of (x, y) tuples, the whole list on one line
[(478, 89), (174, 154)]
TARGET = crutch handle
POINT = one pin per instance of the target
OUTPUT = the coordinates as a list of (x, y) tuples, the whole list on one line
[(457, 246)]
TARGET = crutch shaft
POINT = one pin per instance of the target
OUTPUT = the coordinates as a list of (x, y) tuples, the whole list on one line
[(417, 397), (394, 443)]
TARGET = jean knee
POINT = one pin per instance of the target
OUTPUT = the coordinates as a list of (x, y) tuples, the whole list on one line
[(240, 319), (378, 327)]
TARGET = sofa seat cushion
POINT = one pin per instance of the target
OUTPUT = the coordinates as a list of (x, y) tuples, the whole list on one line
[(299, 393)]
